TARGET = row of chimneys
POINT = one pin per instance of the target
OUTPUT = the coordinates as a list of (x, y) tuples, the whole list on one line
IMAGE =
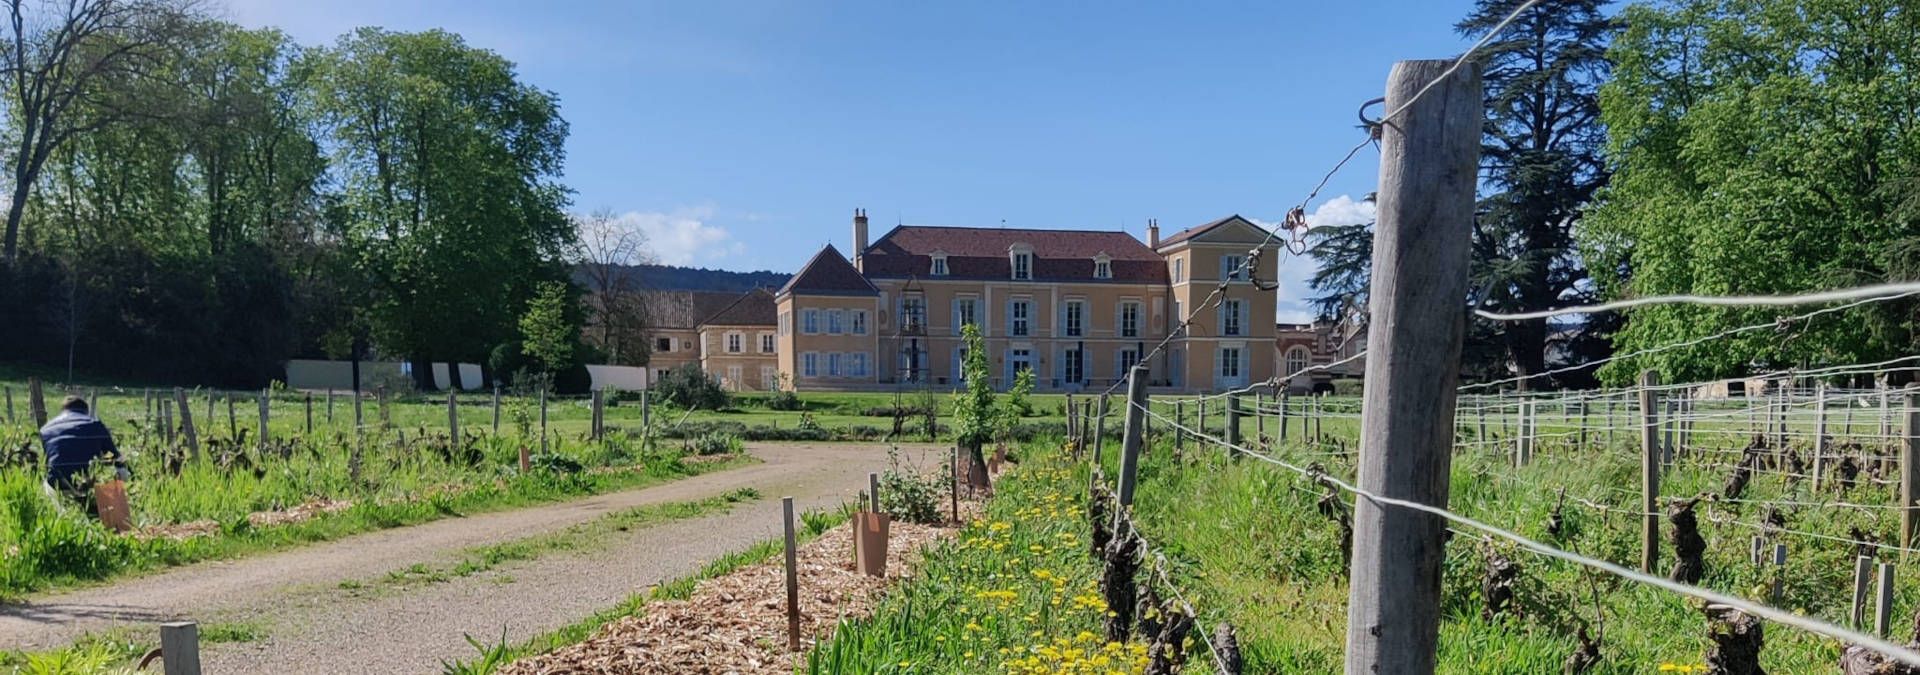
[(860, 237)]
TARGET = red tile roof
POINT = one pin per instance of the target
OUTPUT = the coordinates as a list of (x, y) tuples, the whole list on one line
[(828, 273), (982, 253)]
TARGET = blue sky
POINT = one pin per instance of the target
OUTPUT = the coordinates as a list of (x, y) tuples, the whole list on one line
[(741, 135)]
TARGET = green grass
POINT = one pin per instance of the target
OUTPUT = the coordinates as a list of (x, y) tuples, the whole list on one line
[(117, 650), (497, 654), (399, 483)]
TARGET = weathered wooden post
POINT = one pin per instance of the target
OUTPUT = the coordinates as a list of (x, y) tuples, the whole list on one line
[(1862, 573), (9, 390), (1910, 475), (1883, 605), (36, 402), (330, 408), (180, 642), (265, 403), (1580, 438), (543, 420), (793, 575), (453, 414), (1259, 416), (186, 423), (359, 420), (1651, 462), (307, 399), (1819, 436), (1286, 399), (233, 420), (1429, 151), (1233, 423), (1130, 441), (1779, 572), (593, 426), (496, 409), (1099, 429), (1179, 418)]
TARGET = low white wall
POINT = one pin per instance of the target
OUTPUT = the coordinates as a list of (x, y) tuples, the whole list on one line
[(627, 378), (319, 374)]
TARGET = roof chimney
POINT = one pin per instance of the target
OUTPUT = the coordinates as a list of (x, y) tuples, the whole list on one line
[(1153, 233), (860, 239)]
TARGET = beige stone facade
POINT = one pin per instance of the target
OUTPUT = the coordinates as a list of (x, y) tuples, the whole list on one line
[(1078, 308)]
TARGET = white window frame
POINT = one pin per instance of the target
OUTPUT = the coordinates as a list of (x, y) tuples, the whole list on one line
[(767, 343), (833, 364), (1022, 262), (1303, 360), (1229, 361), (736, 343), (1102, 268), (663, 340), (836, 321), (1125, 361), (939, 266), (810, 365), (1230, 267), (1179, 270), (1073, 366), (809, 322), (909, 318), (1075, 319), (1019, 317), (859, 322), (966, 310), (1231, 323), (769, 377), (1128, 309), (857, 364)]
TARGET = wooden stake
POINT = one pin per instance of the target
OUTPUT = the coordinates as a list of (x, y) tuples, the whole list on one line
[(1862, 574), (330, 407), (873, 492), (543, 420), (308, 401), (264, 404), (1819, 436), (36, 402), (1286, 398), (1233, 422), (180, 643), (793, 576), (1883, 603), (1910, 475), (1259, 416), (186, 423), (1130, 441), (233, 420), (9, 390), (1179, 417), (1429, 153), (453, 414), (496, 409), (1779, 571), (1650, 465)]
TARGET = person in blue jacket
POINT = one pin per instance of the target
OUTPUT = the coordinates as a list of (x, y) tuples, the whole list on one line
[(73, 441)]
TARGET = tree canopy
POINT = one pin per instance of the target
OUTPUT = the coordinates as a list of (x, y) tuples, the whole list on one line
[(1760, 147)]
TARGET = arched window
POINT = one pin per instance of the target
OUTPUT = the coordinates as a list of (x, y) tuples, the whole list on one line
[(1297, 358)]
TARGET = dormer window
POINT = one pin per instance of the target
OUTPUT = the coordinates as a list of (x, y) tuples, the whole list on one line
[(1102, 267), (1021, 256), (939, 265)]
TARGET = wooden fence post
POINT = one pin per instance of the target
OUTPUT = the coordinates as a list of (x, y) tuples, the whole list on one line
[(186, 423), (1259, 416), (329, 408), (453, 414), (36, 402), (1883, 605), (308, 401), (1862, 574), (593, 415), (1286, 398), (496, 409), (1819, 436), (1428, 157), (1130, 441), (793, 575), (1910, 475), (1779, 572), (1179, 418), (1650, 465), (180, 643), (1233, 422), (265, 403), (543, 420), (1099, 429), (359, 419), (1580, 438), (9, 390)]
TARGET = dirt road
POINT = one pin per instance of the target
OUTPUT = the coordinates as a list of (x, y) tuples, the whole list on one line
[(313, 625)]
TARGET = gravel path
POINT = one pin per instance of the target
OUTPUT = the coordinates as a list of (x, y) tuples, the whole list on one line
[(314, 626)]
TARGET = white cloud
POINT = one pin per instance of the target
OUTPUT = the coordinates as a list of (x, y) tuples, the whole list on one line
[(1291, 298), (683, 236)]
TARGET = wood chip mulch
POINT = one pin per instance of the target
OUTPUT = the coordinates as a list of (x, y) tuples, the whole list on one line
[(737, 623), (301, 513)]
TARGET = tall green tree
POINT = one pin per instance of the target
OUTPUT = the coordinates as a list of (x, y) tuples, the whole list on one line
[(1540, 164), (1760, 146), (451, 207)]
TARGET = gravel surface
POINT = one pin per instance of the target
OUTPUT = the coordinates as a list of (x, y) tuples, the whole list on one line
[(314, 626)]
